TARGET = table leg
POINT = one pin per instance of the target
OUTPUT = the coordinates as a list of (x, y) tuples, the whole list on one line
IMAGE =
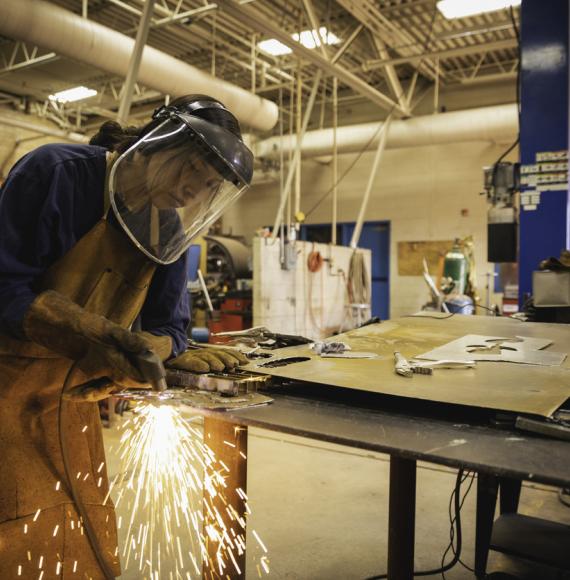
[(401, 518), (510, 493), (228, 441), (487, 491)]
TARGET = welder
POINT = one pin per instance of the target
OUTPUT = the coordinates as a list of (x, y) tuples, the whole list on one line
[(93, 245)]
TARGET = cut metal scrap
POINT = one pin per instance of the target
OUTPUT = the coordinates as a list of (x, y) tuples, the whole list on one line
[(520, 349), (195, 398), (227, 383), (262, 336), (444, 364), (407, 368)]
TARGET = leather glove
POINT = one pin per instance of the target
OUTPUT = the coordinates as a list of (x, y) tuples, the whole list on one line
[(100, 346), (207, 359)]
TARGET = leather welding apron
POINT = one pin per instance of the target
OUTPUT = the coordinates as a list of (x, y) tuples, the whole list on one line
[(39, 524)]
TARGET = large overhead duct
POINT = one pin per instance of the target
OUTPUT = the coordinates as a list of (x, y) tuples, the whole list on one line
[(493, 124), (67, 34)]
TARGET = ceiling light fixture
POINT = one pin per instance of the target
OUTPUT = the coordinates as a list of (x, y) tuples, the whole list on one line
[(308, 38), (72, 95), (462, 8)]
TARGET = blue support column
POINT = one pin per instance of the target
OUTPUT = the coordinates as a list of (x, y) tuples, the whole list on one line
[(544, 231)]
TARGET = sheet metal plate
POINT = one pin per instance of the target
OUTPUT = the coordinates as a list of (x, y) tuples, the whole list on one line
[(501, 386)]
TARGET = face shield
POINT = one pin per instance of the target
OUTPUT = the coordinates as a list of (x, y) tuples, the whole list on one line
[(175, 181)]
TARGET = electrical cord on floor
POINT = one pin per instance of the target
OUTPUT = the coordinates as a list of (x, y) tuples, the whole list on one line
[(455, 533), (91, 536)]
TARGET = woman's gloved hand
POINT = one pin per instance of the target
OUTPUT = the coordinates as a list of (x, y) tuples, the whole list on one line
[(101, 347), (207, 359)]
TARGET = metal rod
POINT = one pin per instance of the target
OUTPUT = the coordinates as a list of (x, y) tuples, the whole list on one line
[(253, 62), (335, 162), (205, 290), (412, 88), (436, 87), (299, 113), (297, 155), (347, 43), (315, 26), (134, 64), (366, 198)]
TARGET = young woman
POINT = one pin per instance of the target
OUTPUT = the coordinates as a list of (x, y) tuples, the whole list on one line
[(93, 237)]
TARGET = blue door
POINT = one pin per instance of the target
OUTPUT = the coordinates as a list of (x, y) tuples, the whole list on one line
[(375, 236)]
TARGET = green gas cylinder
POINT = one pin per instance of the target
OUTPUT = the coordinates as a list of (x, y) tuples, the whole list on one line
[(455, 270)]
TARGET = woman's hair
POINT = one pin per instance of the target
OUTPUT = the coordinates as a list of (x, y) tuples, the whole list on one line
[(114, 137)]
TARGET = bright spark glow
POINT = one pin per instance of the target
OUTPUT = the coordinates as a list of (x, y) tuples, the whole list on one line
[(462, 8), (72, 95), (37, 515), (259, 541), (58, 486), (173, 490)]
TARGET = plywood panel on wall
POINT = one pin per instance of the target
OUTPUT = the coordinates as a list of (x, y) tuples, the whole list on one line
[(411, 255)]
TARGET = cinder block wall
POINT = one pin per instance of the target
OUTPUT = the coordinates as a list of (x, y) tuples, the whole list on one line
[(297, 301), (421, 190)]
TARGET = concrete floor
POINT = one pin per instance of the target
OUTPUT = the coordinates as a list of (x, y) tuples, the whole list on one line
[(321, 510)]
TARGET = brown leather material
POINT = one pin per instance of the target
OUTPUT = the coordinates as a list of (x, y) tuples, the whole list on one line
[(108, 276), (100, 346), (162, 345), (206, 359)]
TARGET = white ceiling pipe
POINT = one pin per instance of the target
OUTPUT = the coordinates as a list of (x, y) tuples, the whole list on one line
[(493, 124), (67, 34)]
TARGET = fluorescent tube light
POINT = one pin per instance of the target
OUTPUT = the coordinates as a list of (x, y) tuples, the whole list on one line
[(311, 39), (308, 38), (72, 95), (274, 47), (462, 8)]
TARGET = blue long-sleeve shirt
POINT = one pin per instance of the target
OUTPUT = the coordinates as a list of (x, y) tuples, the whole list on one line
[(52, 197)]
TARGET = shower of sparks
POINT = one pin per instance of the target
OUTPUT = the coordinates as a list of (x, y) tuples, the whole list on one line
[(178, 514)]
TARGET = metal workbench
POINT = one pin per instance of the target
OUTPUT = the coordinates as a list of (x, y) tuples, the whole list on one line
[(409, 429)]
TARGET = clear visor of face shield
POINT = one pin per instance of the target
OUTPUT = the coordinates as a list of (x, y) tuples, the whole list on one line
[(169, 186)]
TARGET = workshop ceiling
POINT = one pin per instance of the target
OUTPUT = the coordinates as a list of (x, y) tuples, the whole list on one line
[(386, 37)]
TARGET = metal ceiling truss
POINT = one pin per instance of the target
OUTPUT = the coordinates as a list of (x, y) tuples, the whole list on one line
[(407, 48), (21, 56)]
